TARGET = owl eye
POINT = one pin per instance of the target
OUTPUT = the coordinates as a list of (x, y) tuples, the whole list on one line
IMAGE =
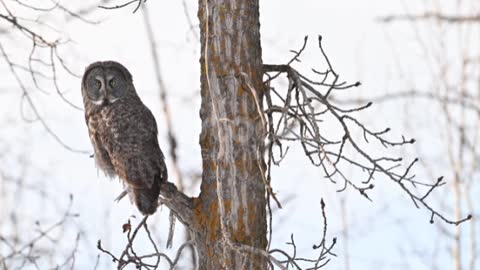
[(113, 83), (98, 84)]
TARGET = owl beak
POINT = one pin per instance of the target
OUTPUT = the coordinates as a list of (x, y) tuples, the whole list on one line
[(103, 93)]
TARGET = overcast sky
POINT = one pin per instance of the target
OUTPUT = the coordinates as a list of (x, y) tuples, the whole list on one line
[(388, 233)]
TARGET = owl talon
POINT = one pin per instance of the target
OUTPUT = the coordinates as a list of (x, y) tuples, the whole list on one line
[(119, 197)]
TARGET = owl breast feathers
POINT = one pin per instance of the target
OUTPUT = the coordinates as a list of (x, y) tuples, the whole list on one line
[(123, 132)]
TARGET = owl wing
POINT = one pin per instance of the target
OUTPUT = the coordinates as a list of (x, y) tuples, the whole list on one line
[(102, 158), (133, 147)]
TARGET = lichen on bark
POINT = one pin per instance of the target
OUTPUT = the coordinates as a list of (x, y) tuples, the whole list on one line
[(231, 208)]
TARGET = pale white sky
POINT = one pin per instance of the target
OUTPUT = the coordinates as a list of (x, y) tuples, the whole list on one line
[(386, 234)]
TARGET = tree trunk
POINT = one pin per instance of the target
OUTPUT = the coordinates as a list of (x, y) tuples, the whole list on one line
[(230, 211)]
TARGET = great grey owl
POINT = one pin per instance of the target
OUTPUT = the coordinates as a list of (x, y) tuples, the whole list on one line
[(123, 132)]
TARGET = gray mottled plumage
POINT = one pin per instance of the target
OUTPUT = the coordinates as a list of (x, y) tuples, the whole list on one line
[(123, 132)]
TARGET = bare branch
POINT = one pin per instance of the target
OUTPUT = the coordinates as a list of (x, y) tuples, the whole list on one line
[(139, 3), (433, 16), (130, 256), (298, 116)]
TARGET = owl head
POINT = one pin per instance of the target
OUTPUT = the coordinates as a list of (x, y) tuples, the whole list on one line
[(104, 83)]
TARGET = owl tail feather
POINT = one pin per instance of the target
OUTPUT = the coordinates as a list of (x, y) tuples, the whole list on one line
[(146, 199)]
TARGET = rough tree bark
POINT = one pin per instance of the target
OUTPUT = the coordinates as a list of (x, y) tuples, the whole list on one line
[(230, 210)]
